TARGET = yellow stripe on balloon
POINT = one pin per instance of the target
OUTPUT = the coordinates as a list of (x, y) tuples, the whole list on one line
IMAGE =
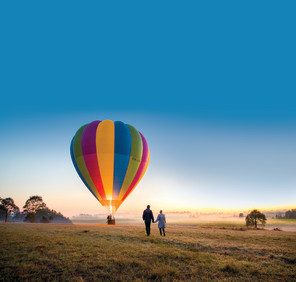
[(105, 153)]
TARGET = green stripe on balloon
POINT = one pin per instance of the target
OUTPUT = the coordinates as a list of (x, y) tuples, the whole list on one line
[(78, 155)]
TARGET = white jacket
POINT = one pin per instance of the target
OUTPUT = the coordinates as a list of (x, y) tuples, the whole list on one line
[(161, 221)]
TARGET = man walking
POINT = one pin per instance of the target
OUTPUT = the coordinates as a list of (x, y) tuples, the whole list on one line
[(147, 217)]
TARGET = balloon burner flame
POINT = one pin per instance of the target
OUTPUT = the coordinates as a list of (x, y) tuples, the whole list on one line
[(111, 208)]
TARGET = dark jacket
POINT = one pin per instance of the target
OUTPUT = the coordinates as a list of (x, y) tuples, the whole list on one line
[(148, 215)]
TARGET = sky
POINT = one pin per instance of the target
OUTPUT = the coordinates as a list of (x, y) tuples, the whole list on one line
[(211, 85)]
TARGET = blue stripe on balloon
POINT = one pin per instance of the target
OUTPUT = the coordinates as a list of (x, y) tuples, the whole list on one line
[(123, 143), (77, 169)]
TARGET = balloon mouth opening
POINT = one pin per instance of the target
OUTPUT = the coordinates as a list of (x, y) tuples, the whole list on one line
[(111, 205)]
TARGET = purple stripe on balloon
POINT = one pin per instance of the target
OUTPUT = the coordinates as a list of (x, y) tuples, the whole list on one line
[(140, 169), (89, 150), (145, 149), (88, 139)]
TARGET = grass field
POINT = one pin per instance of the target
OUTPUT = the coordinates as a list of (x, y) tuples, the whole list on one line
[(229, 221), (124, 252)]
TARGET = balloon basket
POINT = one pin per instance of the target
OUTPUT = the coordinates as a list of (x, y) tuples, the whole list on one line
[(111, 221)]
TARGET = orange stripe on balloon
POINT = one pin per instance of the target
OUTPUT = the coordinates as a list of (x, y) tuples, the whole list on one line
[(105, 153)]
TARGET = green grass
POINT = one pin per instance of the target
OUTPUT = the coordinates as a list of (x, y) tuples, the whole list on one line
[(125, 253), (283, 221), (285, 224)]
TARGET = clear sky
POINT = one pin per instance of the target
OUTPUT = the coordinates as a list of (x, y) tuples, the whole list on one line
[(210, 85)]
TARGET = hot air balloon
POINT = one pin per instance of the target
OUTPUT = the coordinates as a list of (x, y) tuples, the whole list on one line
[(110, 158)]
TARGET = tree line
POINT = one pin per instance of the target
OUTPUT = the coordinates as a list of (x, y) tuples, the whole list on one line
[(34, 210), (291, 214)]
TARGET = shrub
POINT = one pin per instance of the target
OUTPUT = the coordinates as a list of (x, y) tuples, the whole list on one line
[(44, 219), (30, 217)]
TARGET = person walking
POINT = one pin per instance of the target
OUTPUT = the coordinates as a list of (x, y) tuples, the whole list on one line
[(147, 217), (161, 223)]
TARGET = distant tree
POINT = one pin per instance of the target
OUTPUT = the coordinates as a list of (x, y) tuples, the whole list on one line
[(241, 215), (42, 213), (35, 210), (57, 217), (291, 214), (2, 215), (278, 215), (34, 204), (254, 218), (30, 217), (8, 206), (44, 219), (17, 215)]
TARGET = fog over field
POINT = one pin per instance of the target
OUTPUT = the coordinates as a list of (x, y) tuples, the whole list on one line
[(190, 218)]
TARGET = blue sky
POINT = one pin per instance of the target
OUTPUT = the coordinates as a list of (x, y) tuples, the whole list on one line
[(211, 86)]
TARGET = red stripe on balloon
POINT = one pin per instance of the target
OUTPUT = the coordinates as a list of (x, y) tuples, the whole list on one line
[(141, 168), (89, 150)]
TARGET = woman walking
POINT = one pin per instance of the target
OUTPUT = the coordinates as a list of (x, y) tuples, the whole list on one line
[(161, 223)]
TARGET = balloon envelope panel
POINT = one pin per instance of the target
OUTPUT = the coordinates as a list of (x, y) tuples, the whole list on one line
[(110, 158)]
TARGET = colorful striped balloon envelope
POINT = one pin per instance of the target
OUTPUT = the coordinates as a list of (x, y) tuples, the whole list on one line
[(110, 158)]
